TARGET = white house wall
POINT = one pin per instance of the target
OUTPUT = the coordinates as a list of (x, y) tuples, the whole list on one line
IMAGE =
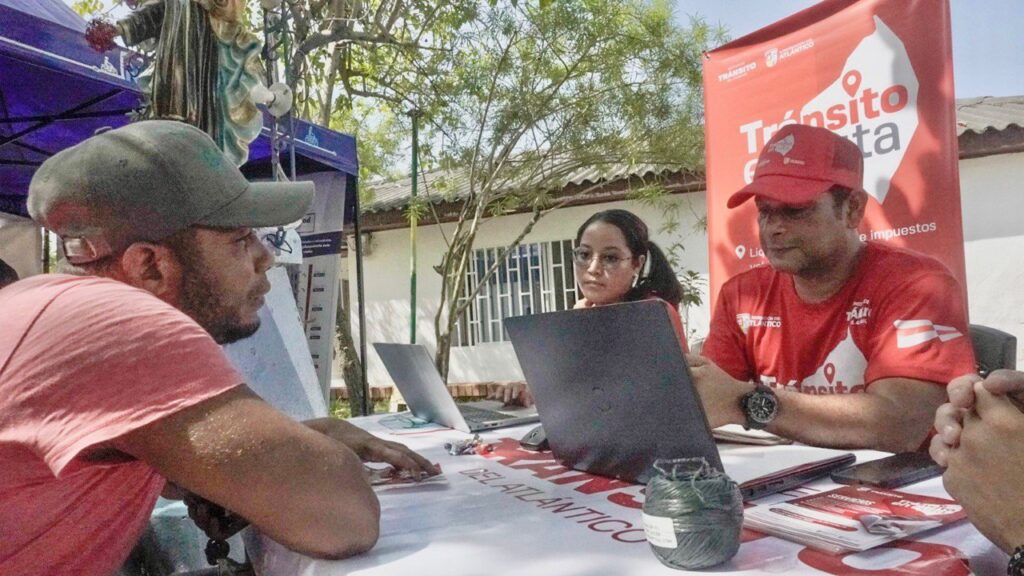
[(992, 191), (387, 280)]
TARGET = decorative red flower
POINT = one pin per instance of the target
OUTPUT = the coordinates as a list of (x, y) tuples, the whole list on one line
[(100, 34)]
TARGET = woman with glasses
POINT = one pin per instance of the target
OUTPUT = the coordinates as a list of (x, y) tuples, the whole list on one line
[(614, 261)]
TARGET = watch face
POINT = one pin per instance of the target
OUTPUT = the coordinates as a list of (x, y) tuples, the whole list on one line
[(762, 407)]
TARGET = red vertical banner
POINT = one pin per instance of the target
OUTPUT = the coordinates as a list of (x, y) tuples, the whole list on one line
[(878, 72)]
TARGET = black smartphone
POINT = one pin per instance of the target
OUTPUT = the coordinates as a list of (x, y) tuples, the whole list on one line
[(890, 472)]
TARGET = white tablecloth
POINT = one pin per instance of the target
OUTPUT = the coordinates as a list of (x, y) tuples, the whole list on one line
[(520, 512)]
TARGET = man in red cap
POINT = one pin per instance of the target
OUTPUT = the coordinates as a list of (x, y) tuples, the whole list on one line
[(839, 342)]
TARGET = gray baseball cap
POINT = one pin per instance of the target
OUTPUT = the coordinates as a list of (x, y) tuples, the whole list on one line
[(146, 181)]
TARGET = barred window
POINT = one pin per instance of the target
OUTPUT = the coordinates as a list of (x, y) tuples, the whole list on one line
[(534, 278)]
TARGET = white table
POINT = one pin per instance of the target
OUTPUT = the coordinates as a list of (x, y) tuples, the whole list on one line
[(519, 512)]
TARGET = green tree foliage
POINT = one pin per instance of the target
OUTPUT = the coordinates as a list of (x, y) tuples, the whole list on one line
[(386, 50), (87, 8), (360, 66)]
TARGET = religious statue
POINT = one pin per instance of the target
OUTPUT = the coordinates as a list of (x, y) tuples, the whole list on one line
[(205, 66)]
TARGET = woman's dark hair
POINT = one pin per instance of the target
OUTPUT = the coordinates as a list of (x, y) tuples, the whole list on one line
[(659, 280)]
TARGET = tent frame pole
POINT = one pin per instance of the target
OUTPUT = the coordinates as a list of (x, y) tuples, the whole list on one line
[(363, 385)]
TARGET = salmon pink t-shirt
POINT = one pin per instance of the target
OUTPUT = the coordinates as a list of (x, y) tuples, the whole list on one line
[(901, 315), (84, 361)]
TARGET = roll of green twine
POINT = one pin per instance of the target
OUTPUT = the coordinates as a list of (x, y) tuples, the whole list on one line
[(705, 509)]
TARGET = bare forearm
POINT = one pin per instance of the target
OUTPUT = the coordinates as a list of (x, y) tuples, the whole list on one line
[(298, 486), (857, 420), (895, 414), (327, 510), (323, 425)]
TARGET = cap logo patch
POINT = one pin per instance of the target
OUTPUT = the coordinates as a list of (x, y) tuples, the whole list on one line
[(782, 146)]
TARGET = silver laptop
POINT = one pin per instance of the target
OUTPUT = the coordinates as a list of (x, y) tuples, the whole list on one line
[(612, 388), (413, 371)]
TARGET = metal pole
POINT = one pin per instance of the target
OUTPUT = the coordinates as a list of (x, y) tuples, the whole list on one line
[(291, 142), (46, 251), (293, 84), (272, 24), (367, 405), (413, 217)]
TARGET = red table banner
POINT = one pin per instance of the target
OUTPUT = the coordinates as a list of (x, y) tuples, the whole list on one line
[(878, 72)]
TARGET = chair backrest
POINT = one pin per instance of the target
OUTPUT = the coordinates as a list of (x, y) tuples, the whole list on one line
[(993, 349)]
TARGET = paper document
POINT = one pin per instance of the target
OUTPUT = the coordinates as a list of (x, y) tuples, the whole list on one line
[(736, 434), (852, 518)]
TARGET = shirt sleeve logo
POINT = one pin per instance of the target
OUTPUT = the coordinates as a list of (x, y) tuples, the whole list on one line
[(910, 333)]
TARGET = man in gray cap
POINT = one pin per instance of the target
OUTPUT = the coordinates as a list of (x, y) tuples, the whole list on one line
[(838, 342), (112, 383)]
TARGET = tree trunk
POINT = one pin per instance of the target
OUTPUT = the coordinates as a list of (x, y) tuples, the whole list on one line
[(453, 282), (351, 368), (444, 345)]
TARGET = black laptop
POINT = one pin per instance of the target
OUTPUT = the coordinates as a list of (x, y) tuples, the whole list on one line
[(614, 394), (413, 371), (612, 388)]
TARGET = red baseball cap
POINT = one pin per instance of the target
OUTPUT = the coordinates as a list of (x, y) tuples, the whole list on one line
[(801, 162)]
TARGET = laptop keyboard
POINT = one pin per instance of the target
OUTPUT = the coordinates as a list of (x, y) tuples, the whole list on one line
[(474, 414)]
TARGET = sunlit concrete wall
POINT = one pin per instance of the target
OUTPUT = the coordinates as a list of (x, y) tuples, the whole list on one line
[(992, 193)]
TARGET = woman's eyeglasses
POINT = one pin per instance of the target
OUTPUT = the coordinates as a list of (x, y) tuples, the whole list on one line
[(584, 256)]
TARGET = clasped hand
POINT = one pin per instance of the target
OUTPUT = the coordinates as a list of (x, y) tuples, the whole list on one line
[(980, 440)]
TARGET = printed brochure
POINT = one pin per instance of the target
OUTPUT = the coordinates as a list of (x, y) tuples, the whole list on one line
[(852, 518)]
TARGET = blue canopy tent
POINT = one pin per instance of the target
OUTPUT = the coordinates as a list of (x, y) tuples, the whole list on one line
[(55, 91)]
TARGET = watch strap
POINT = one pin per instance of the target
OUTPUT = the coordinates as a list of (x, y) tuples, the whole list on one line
[(1016, 565)]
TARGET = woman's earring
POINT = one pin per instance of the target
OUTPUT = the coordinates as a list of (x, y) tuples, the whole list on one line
[(636, 279)]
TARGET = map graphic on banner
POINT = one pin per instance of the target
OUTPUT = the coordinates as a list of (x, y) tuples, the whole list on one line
[(880, 116), (877, 72)]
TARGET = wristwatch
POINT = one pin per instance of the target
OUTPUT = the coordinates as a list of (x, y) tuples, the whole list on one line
[(1016, 565), (760, 406)]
